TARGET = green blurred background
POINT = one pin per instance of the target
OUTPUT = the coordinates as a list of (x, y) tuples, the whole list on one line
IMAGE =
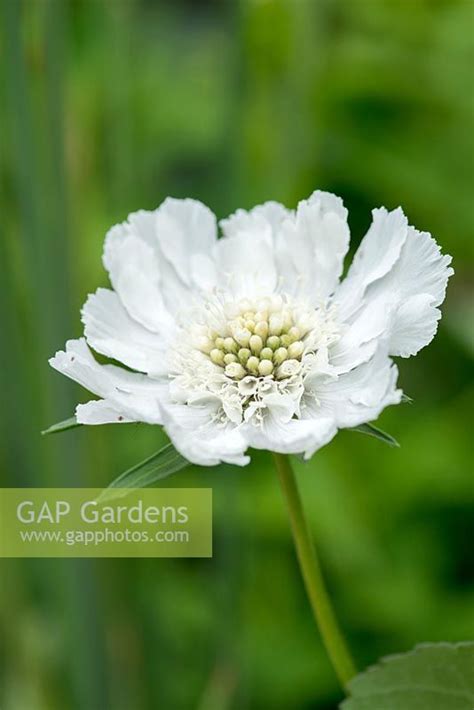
[(109, 106)]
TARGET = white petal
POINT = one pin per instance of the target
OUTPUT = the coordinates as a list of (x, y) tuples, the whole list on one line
[(100, 412), (250, 245), (314, 242), (110, 331), (376, 255), (356, 397), (392, 290), (135, 275), (414, 325), (246, 266), (196, 435), (184, 228), (417, 284), (132, 396), (360, 339), (290, 437), (78, 363), (204, 273), (262, 221)]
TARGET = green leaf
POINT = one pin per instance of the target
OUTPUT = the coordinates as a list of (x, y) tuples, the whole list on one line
[(70, 423), (159, 465), (431, 677), (374, 431)]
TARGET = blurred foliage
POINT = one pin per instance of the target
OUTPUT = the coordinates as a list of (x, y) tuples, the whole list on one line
[(110, 106)]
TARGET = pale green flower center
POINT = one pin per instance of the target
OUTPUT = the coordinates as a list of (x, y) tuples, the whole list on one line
[(259, 339)]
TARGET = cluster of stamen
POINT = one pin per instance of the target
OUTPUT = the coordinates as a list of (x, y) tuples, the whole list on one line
[(259, 339)]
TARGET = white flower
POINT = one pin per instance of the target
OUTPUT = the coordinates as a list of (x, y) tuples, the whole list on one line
[(252, 339)]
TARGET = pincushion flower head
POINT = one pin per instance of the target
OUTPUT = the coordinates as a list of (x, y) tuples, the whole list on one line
[(254, 339)]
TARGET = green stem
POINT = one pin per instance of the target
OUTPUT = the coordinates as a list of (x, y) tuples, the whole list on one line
[(313, 579)]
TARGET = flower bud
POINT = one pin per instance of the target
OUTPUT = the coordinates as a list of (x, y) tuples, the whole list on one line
[(266, 354), (217, 356), (243, 355), (276, 324), (294, 333), (261, 329), (235, 370), (273, 342), (252, 364), (265, 367), (280, 355), (230, 345), (296, 349), (242, 336), (256, 344), (230, 357), (287, 320)]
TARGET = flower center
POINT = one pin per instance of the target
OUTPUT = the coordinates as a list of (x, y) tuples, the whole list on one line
[(259, 338)]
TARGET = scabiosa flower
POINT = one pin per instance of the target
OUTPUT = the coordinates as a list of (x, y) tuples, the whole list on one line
[(253, 340)]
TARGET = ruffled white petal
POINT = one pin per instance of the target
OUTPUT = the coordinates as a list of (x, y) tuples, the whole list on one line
[(392, 290), (184, 228), (198, 436), (174, 291), (112, 332), (133, 266), (154, 275), (417, 285), (359, 340), (356, 397), (292, 436), (246, 266), (311, 246), (262, 221), (78, 363), (129, 396), (414, 325), (378, 252), (100, 411)]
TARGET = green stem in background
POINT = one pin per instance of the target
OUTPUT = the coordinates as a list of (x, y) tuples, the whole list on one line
[(313, 579)]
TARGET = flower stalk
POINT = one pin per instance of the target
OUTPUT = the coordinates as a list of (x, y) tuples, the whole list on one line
[(311, 571)]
